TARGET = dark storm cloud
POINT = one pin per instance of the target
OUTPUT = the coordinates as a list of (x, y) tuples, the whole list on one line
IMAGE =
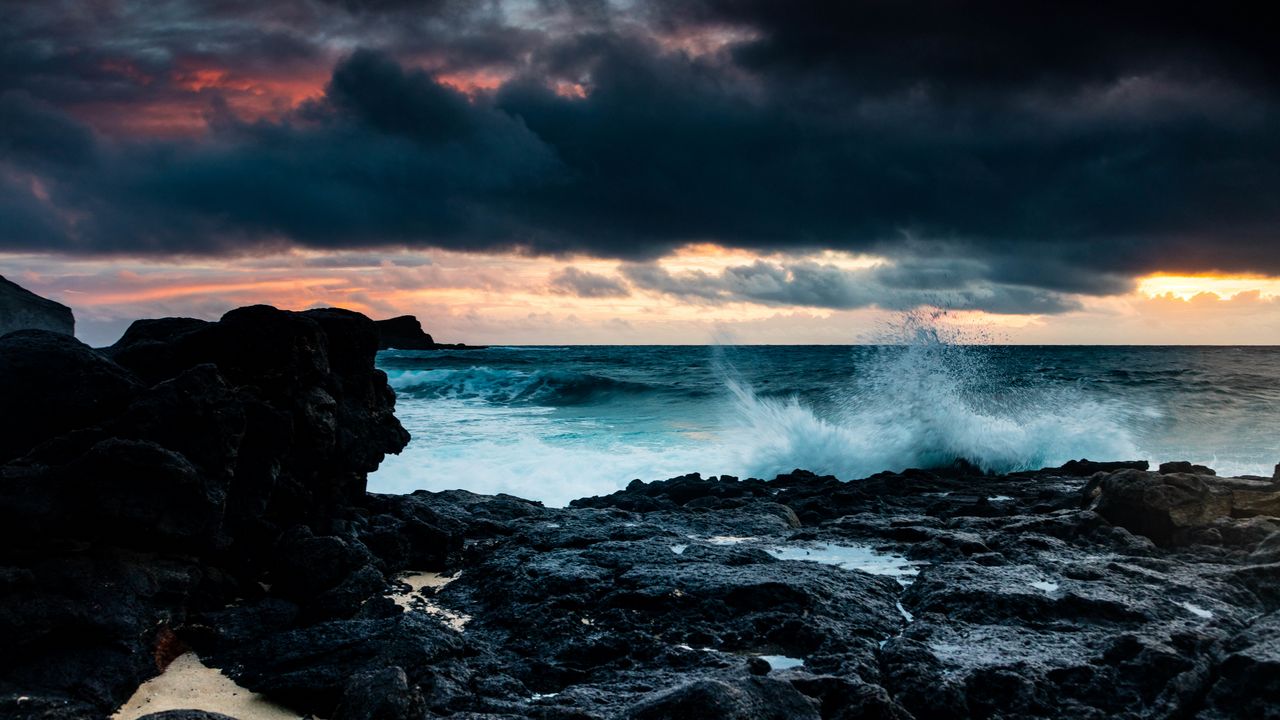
[(811, 284), (1001, 156), (572, 281)]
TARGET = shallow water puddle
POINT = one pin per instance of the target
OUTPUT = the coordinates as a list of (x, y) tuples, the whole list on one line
[(1196, 610), (906, 614), (190, 684), (853, 557), (728, 539), (782, 662)]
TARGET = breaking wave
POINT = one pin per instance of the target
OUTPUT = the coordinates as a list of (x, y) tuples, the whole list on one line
[(925, 401)]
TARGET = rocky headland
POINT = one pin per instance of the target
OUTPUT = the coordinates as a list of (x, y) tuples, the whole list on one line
[(200, 487), (405, 333), (21, 309)]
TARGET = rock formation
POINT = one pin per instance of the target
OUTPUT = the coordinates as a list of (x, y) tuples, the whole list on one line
[(21, 309), (406, 333), (201, 486)]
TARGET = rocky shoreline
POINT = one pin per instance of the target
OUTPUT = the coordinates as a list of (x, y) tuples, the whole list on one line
[(201, 487)]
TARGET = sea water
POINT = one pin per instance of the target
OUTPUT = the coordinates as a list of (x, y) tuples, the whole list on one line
[(557, 423)]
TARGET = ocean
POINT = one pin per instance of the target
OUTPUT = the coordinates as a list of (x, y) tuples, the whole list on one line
[(558, 423)]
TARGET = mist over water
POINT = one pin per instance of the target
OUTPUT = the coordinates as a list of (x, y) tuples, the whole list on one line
[(555, 424)]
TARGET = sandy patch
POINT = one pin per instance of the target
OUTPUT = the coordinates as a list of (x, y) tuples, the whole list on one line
[(415, 601), (188, 684)]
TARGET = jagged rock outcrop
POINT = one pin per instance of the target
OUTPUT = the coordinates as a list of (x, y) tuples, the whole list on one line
[(21, 309), (160, 476), (405, 333)]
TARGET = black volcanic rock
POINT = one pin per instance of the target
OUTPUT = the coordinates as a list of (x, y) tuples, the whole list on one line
[(1182, 466), (51, 384), (21, 309), (406, 333), (746, 699), (403, 333), (155, 479)]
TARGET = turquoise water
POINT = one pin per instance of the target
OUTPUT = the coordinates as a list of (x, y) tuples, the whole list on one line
[(557, 423)]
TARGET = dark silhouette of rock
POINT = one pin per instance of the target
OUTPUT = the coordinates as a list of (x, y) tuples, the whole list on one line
[(382, 694), (51, 384), (405, 333), (156, 478), (21, 309), (1085, 468), (311, 668), (1183, 466)]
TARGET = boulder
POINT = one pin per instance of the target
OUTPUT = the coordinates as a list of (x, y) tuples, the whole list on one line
[(1161, 506), (1086, 467), (312, 668), (1252, 498), (1183, 466), (21, 309), (382, 694)]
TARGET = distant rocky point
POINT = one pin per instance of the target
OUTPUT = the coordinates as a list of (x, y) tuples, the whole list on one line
[(21, 309), (406, 333)]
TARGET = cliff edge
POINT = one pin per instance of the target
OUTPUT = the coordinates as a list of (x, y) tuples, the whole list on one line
[(21, 309)]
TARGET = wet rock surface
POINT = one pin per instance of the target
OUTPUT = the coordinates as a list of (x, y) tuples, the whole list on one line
[(214, 500)]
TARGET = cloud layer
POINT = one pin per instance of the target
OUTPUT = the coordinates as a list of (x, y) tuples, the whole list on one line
[(1002, 158)]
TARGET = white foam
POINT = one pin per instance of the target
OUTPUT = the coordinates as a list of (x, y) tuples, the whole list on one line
[(918, 404), (1049, 587), (678, 549)]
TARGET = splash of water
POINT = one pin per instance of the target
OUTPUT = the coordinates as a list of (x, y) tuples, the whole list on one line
[(925, 400)]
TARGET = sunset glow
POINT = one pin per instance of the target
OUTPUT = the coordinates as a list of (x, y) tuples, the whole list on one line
[(1225, 287), (548, 172)]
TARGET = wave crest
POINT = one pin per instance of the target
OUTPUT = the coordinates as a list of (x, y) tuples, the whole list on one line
[(509, 387), (926, 402)]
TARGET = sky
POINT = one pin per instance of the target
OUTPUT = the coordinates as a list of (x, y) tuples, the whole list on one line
[(586, 171)]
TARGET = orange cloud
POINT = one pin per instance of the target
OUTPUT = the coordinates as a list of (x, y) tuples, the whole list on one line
[(1187, 287), (474, 82)]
